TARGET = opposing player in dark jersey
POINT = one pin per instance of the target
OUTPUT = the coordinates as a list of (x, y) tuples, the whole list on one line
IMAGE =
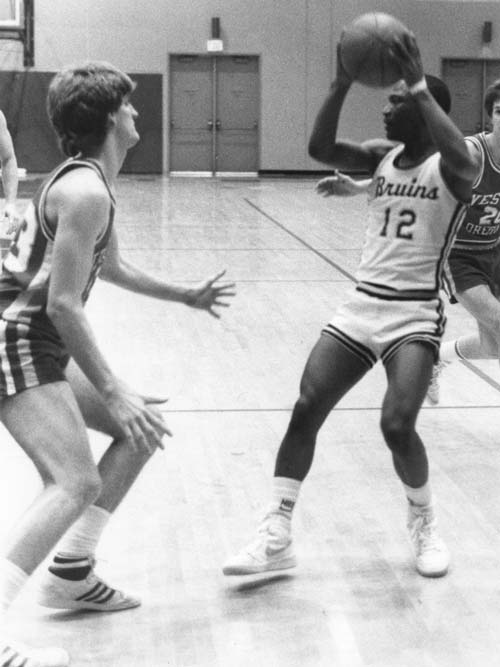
[(416, 202), (472, 276), (54, 380)]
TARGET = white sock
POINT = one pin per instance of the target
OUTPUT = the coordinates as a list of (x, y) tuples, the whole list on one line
[(421, 496), (450, 351), (82, 538), (12, 579), (285, 492)]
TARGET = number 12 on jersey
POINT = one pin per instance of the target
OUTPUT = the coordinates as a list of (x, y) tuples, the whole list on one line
[(403, 220)]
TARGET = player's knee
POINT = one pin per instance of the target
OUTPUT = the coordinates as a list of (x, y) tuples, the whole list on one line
[(84, 488), (397, 428), (307, 410)]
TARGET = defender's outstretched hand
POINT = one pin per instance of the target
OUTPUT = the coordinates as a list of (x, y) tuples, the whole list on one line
[(208, 295), (341, 185)]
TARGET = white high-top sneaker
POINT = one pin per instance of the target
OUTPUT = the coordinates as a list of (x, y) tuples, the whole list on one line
[(271, 550), (433, 388), (431, 553)]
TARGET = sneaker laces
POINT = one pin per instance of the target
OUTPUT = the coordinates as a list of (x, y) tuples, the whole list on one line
[(274, 531), (423, 533), (437, 370)]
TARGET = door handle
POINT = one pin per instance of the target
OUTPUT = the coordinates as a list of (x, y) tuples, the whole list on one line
[(210, 125), (218, 124)]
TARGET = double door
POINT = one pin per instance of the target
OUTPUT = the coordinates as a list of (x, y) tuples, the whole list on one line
[(214, 114), (467, 81)]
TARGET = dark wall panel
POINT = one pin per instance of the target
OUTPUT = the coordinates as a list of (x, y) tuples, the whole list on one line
[(22, 99), (147, 98)]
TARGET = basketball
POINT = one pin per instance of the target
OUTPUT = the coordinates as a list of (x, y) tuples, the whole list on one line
[(364, 49)]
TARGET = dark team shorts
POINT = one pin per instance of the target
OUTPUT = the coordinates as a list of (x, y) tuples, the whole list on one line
[(468, 268), (28, 359)]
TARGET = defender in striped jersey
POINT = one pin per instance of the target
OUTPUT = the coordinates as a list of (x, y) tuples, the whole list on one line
[(415, 204), (54, 380), (472, 274)]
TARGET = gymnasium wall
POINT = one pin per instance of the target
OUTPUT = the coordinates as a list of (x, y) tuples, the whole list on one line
[(295, 40)]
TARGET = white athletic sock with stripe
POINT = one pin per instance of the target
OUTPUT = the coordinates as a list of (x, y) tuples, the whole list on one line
[(450, 351), (285, 492), (77, 547)]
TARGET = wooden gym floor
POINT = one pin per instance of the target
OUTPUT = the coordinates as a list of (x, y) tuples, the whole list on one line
[(355, 599)]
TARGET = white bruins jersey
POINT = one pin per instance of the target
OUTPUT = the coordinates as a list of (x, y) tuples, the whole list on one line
[(412, 221)]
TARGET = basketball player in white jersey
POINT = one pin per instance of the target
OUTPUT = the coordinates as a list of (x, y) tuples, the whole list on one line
[(472, 274), (416, 202), (8, 164), (54, 380)]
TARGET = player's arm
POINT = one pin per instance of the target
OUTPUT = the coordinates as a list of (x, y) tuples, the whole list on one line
[(206, 295), (9, 174), (342, 185), (323, 143), (80, 207), (475, 154), (458, 167)]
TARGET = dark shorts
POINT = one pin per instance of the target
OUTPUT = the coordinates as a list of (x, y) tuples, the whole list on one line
[(28, 359), (468, 268)]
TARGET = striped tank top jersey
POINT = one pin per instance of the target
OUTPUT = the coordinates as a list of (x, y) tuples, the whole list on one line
[(480, 229), (413, 219), (26, 331)]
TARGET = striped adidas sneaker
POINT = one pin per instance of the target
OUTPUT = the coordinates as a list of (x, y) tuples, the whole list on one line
[(89, 593), (12, 655)]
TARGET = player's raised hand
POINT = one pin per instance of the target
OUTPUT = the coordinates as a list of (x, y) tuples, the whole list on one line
[(210, 295), (341, 77), (405, 50)]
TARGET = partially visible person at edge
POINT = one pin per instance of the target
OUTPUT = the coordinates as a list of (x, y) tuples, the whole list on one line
[(472, 275), (10, 180)]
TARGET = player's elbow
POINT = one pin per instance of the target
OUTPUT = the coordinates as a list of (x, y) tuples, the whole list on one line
[(317, 151), (111, 272), (471, 169)]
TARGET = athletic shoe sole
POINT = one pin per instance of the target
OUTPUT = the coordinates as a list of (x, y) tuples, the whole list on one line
[(282, 564)]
